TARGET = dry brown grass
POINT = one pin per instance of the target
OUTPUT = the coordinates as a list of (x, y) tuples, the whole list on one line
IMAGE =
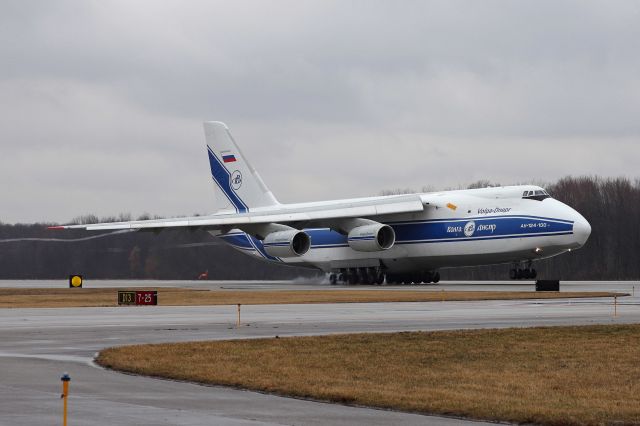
[(555, 376), (78, 297)]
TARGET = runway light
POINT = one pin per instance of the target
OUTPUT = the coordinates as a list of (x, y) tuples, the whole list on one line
[(75, 281), (538, 250)]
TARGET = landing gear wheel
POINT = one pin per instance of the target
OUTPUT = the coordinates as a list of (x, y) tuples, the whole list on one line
[(333, 279), (427, 277), (436, 278), (527, 273), (363, 276), (369, 277)]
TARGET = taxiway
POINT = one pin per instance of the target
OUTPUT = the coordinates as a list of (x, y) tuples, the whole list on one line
[(37, 345)]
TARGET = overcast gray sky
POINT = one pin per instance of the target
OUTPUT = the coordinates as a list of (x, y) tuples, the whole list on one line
[(102, 103)]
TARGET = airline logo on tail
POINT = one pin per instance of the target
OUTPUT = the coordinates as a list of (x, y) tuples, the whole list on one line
[(236, 180)]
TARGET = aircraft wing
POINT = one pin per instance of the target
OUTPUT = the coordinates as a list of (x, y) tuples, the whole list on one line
[(311, 215)]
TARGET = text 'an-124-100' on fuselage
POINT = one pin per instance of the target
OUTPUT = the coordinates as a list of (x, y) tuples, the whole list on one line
[(403, 238)]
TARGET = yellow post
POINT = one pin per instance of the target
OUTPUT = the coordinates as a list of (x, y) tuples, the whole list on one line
[(65, 394), (238, 321)]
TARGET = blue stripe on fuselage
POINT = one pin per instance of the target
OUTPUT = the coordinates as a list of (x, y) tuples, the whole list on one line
[(243, 241), (434, 231), (490, 227), (238, 240)]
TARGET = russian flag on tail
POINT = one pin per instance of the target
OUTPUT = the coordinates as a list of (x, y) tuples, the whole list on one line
[(228, 158)]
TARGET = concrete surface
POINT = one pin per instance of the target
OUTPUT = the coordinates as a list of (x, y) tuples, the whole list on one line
[(38, 345), (304, 284)]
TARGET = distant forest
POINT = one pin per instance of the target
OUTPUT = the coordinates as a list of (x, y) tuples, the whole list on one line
[(30, 251)]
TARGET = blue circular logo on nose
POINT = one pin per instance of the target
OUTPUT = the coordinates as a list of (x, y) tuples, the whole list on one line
[(469, 229)]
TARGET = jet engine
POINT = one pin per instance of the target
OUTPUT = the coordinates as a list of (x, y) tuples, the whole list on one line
[(290, 243), (374, 237)]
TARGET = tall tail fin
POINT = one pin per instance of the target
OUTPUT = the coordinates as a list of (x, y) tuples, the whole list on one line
[(238, 184)]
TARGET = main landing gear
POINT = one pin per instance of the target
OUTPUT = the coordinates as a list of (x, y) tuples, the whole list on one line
[(424, 277), (377, 276), (358, 276), (527, 273)]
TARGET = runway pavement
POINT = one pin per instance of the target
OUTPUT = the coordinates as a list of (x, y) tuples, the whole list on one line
[(37, 345), (308, 284)]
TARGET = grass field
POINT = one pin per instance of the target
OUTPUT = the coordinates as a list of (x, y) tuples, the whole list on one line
[(554, 376), (78, 297)]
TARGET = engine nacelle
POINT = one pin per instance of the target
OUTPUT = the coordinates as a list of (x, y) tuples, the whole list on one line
[(373, 237), (289, 243)]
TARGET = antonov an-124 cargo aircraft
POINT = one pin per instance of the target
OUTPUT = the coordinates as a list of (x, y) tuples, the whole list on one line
[(403, 238)]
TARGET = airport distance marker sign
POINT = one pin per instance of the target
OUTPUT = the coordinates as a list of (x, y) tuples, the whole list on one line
[(138, 297)]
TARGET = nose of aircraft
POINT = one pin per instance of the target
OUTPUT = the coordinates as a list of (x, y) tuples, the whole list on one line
[(581, 229)]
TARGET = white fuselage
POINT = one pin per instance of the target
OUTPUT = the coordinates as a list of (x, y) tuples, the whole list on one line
[(470, 227)]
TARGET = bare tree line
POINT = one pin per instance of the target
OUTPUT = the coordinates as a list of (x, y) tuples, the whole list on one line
[(27, 251)]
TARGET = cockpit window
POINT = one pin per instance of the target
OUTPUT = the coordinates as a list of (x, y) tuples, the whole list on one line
[(537, 195)]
